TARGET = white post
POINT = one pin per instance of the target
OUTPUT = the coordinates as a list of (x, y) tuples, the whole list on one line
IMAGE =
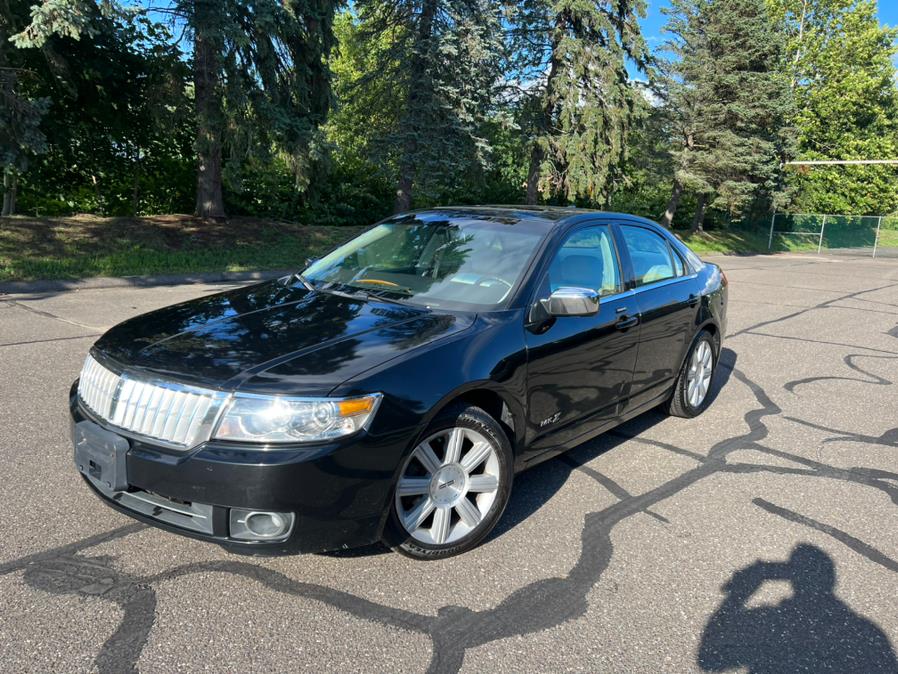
[(770, 240), (820, 242), (876, 240)]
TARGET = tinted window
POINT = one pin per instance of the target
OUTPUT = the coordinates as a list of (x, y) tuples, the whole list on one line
[(586, 260), (679, 267), (460, 262), (649, 253)]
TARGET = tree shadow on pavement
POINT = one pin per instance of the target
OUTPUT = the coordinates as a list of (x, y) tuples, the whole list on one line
[(811, 631)]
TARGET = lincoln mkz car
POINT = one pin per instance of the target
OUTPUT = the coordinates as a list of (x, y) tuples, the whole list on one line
[(392, 389)]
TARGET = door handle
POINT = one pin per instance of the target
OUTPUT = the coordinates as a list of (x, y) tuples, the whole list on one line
[(626, 322)]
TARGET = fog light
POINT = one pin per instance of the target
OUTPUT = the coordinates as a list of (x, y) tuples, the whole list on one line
[(257, 525)]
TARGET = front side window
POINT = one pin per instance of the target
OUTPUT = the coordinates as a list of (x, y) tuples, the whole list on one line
[(649, 254), (586, 260), (462, 263)]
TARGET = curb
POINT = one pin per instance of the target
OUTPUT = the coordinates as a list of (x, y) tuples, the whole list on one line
[(96, 283)]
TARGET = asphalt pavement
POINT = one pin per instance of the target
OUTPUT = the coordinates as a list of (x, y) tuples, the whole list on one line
[(761, 536)]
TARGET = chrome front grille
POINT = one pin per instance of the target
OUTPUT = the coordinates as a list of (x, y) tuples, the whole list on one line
[(178, 415)]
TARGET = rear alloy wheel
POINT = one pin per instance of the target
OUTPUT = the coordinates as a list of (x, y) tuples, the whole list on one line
[(452, 488), (690, 395)]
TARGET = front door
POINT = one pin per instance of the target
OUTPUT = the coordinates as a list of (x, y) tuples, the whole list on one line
[(579, 367)]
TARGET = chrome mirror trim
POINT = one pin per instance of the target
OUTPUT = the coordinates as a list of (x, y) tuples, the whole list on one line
[(572, 302)]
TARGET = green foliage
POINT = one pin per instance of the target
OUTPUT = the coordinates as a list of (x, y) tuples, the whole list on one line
[(427, 85), (580, 104), (844, 76), (116, 136), (271, 74), (322, 118), (728, 99)]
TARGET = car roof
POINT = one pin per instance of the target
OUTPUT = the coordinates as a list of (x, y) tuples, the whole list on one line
[(550, 217)]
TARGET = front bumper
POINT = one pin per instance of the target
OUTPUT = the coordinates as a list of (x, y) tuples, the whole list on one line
[(339, 493)]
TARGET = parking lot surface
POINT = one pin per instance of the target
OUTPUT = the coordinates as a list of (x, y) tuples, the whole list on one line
[(761, 536)]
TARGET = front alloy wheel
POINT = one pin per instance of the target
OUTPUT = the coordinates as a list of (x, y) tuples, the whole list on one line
[(452, 487)]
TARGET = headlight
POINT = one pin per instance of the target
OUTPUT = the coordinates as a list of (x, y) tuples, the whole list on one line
[(258, 418)]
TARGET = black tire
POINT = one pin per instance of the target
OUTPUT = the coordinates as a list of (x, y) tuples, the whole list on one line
[(679, 405), (397, 537)]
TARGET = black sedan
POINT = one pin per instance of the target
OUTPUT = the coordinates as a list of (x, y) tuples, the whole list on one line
[(392, 389)]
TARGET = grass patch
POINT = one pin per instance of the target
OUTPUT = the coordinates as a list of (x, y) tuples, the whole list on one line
[(85, 246), (744, 242), (726, 242)]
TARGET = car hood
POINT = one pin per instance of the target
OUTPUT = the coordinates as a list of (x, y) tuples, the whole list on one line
[(274, 337)]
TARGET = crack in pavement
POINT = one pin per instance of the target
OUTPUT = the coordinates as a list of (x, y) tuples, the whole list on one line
[(849, 361), (51, 339), (856, 544), (455, 630), (47, 314)]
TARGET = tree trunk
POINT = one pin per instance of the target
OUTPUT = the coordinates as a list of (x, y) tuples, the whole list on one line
[(672, 204), (403, 200), (699, 216), (536, 160), (421, 86), (10, 187), (135, 186), (537, 154), (207, 50)]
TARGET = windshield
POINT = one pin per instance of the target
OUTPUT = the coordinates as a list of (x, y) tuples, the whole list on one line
[(461, 263)]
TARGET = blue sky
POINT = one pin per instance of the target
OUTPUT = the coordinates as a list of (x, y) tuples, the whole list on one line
[(654, 21)]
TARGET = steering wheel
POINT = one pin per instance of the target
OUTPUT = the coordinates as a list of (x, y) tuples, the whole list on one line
[(484, 279)]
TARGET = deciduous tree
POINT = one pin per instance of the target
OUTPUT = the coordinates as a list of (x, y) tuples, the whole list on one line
[(841, 67)]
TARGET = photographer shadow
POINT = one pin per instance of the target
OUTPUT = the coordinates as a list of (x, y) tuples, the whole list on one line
[(811, 631)]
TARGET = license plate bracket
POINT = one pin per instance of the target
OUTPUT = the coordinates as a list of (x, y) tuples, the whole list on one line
[(101, 455)]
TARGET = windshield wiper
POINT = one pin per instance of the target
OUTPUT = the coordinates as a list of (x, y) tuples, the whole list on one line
[(302, 279), (369, 294)]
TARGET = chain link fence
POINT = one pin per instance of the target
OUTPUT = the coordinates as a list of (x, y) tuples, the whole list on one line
[(873, 235)]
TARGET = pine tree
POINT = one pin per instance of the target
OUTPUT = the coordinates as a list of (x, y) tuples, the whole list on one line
[(729, 101), (260, 77), (584, 101), (429, 88), (842, 70)]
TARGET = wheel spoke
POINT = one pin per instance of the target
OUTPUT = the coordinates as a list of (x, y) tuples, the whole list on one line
[(476, 455), (425, 454), (453, 445), (440, 530), (480, 483), (695, 393), (468, 512), (415, 518), (413, 486)]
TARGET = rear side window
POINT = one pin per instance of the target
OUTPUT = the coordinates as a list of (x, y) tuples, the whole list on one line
[(650, 255), (679, 267)]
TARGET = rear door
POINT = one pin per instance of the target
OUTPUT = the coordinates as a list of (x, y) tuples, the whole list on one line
[(667, 304), (579, 367)]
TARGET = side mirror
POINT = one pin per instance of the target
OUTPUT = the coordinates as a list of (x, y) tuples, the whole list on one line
[(572, 302)]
